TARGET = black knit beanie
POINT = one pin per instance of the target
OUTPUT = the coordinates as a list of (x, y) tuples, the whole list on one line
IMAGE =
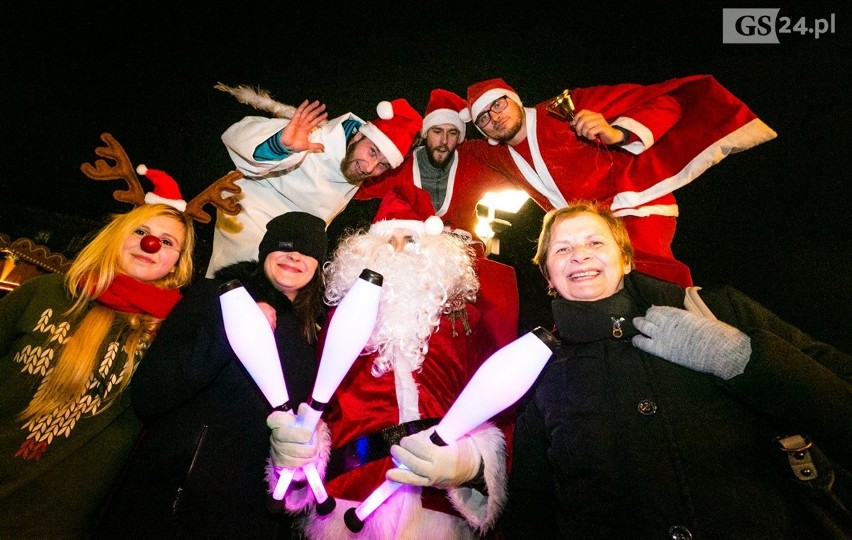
[(295, 231)]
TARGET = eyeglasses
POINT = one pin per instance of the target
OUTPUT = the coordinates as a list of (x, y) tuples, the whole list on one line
[(497, 106)]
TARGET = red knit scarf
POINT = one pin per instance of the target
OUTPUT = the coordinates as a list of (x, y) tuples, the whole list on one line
[(133, 296)]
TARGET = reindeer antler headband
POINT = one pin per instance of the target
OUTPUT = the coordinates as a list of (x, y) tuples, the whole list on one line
[(135, 195)]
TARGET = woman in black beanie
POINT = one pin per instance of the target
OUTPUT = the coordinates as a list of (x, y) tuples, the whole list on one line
[(198, 468)]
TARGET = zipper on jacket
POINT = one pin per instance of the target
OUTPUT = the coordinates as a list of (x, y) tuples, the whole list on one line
[(617, 332), (196, 450)]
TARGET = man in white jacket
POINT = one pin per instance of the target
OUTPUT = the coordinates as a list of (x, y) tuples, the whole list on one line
[(305, 163)]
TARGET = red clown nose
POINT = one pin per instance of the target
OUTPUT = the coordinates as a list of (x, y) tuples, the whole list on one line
[(150, 244)]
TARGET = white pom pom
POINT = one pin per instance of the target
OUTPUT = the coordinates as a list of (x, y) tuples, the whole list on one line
[(141, 169), (385, 110), (464, 114), (433, 225)]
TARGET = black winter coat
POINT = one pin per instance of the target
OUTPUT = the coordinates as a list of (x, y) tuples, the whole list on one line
[(616, 443), (198, 469)]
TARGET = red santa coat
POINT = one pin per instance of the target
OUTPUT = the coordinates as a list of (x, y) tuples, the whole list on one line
[(469, 180), (363, 404), (684, 126)]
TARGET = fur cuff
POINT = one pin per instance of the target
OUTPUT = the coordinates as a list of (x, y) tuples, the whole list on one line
[(646, 138), (481, 510), (299, 495)]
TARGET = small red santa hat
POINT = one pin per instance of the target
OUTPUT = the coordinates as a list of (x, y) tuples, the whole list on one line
[(407, 206), (481, 95), (446, 107), (394, 130), (166, 189)]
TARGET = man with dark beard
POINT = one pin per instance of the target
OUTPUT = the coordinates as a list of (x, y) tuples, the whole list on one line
[(454, 179), (429, 339), (300, 161)]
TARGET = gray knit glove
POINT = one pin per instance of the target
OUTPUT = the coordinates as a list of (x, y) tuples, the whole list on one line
[(290, 447), (693, 341), (427, 464)]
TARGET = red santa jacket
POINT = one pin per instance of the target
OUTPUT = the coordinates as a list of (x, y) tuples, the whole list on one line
[(688, 124), (364, 404)]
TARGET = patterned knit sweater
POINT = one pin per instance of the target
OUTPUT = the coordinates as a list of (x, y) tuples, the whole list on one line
[(55, 471)]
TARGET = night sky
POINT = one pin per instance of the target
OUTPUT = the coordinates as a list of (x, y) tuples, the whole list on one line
[(772, 221)]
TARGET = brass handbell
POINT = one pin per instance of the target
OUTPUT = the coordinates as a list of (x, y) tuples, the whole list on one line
[(562, 106)]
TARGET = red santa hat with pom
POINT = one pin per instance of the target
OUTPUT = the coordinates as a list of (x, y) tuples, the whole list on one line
[(166, 189), (481, 95), (394, 130), (446, 107), (407, 206)]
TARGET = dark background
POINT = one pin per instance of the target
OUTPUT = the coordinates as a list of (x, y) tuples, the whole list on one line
[(771, 221)]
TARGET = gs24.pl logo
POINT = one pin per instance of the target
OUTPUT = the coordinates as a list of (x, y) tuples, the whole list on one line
[(763, 25)]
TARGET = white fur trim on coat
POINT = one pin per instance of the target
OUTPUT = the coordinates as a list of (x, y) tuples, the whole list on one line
[(479, 509), (747, 136), (299, 495), (401, 517), (646, 137)]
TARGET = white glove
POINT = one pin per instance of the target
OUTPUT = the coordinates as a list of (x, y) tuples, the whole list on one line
[(693, 341), (290, 447), (432, 465)]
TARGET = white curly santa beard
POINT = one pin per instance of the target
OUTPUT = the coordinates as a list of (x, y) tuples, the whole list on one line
[(431, 275)]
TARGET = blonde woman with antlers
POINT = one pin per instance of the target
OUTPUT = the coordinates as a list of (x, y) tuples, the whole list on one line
[(69, 345)]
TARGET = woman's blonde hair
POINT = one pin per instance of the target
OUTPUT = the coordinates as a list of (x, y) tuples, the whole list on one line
[(581, 206), (90, 275)]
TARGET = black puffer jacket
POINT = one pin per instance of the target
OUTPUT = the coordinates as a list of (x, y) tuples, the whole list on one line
[(198, 469), (616, 443)]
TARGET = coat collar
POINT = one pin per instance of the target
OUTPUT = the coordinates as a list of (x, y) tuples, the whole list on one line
[(583, 322)]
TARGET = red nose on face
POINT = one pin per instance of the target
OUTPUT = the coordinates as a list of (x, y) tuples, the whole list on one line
[(150, 244)]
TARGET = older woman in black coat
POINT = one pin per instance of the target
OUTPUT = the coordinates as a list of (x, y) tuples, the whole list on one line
[(656, 421)]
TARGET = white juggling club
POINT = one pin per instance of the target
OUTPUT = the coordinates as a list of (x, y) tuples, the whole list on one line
[(252, 340), (498, 383), (348, 332)]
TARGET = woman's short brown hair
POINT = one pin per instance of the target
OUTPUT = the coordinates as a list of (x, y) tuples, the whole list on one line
[(581, 206)]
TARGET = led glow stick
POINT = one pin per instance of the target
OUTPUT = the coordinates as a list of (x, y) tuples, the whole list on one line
[(252, 340), (348, 331), (498, 383)]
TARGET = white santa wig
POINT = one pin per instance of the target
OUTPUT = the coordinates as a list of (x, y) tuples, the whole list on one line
[(434, 275)]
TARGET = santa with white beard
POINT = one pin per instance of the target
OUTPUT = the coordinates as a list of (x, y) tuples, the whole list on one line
[(429, 339)]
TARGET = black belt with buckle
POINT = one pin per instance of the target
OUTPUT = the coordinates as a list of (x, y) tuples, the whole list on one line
[(371, 447)]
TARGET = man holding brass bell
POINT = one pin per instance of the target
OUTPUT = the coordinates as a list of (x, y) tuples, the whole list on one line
[(627, 145)]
